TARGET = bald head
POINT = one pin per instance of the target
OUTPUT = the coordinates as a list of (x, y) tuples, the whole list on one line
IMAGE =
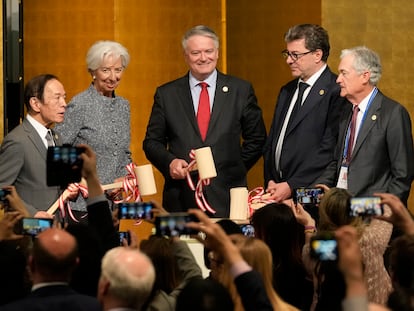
[(127, 278), (54, 256)]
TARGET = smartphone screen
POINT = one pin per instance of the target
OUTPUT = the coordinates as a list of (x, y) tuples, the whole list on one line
[(247, 230), (124, 235), (64, 165), (174, 224), (308, 195), (33, 226), (135, 210), (366, 206), (324, 248)]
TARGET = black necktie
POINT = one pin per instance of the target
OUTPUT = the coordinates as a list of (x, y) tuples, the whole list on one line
[(298, 104)]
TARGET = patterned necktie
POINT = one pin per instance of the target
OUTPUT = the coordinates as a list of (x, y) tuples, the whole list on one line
[(203, 111), (351, 139), (49, 138)]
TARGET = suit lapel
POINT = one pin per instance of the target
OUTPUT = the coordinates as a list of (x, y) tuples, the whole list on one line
[(184, 96), (34, 138), (370, 120), (220, 98), (319, 89)]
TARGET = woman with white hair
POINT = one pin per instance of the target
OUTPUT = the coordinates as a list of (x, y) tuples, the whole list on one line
[(100, 118)]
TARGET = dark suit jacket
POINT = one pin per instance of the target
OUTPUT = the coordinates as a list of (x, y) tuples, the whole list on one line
[(23, 164), (383, 156), (236, 135), (56, 297), (310, 139)]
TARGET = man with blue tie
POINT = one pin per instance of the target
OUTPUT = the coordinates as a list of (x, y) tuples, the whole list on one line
[(380, 157), (304, 129)]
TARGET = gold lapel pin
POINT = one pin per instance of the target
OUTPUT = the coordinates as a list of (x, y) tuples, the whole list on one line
[(225, 89), (321, 92), (373, 117)]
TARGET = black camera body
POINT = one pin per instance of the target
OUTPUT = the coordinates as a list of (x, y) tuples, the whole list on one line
[(64, 165)]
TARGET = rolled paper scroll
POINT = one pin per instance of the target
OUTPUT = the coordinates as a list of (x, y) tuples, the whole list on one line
[(238, 203), (145, 179), (205, 163)]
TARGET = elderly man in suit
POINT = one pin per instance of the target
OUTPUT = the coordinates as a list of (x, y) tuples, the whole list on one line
[(24, 149), (54, 257), (374, 152), (204, 108), (304, 129)]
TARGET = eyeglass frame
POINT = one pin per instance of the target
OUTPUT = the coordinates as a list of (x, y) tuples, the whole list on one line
[(295, 56)]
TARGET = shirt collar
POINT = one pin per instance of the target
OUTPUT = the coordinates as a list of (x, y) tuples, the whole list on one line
[(211, 79), (40, 128)]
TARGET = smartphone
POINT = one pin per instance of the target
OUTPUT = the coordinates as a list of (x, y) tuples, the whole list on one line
[(64, 165), (3, 194), (308, 195), (33, 226), (366, 207), (323, 247), (174, 224), (135, 210), (124, 235), (247, 230)]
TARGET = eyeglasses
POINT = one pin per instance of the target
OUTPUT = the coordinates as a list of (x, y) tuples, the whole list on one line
[(106, 70), (293, 55)]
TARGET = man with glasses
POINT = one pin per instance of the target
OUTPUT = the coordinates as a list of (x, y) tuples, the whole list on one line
[(305, 123)]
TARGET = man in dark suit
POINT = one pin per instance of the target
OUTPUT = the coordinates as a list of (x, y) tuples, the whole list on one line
[(236, 131), (54, 256), (304, 130), (23, 151), (380, 158)]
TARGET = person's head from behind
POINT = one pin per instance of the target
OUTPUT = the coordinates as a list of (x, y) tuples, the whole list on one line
[(307, 49), (160, 251), (127, 277), (359, 71), (45, 99), (204, 295), (401, 262), (54, 256), (106, 61), (230, 227), (201, 51), (276, 225), (334, 211)]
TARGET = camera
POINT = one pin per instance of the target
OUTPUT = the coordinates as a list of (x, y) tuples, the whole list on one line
[(33, 226), (135, 210), (64, 165), (366, 207), (124, 235), (323, 247), (247, 230), (174, 224), (308, 195)]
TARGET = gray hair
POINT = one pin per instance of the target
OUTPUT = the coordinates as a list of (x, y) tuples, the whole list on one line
[(131, 287), (200, 30), (101, 49), (365, 59)]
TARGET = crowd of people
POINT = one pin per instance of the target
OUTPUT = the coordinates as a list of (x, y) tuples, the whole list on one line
[(333, 138)]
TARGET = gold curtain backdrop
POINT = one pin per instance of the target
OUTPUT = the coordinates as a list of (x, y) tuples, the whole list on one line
[(57, 35)]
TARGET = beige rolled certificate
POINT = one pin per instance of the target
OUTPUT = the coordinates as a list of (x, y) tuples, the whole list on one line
[(145, 179), (238, 203), (205, 163)]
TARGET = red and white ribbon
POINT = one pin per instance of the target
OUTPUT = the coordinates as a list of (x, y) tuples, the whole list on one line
[(130, 185), (257, 196), (198, 189), (73, 189)]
